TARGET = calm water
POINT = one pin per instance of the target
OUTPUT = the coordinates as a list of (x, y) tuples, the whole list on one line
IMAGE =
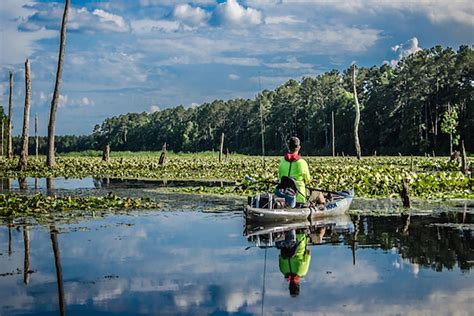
[(195, 263)]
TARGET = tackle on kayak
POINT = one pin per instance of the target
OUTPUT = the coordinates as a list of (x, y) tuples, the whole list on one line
[(292, 200)]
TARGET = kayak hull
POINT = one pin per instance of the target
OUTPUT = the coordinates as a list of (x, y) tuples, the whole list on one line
[(336, 207)]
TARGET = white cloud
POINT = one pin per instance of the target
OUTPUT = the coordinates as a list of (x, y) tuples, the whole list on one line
[(49, 15), (292, 63), (153, 109), (404, 50), (189, 15), (63, 101), (85, 101), (42, 96), (437, 11), (146, 3), (234, 77), (231, 12), (111, 21), (149, 26), (284, 19), (15, 45)]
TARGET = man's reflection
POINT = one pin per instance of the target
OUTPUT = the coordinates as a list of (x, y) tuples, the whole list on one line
[(294, 258)]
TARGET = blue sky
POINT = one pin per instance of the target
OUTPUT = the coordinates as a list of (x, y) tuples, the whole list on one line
[(144, 55)]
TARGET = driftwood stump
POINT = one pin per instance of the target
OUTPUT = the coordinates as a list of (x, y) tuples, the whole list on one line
[(404, 195), (106, 153), (163, 155), (464, 164)]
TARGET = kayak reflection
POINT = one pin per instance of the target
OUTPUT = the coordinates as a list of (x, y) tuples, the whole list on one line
[(293, 240)]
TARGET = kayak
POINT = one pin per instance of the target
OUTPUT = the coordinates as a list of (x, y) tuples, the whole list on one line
[(265, 235), (264, 208), (340, 223)]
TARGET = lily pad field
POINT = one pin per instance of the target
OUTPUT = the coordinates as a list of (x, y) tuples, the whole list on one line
[(427, 177)]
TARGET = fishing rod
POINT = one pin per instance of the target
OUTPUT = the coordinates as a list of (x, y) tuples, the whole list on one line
[(274, 182)]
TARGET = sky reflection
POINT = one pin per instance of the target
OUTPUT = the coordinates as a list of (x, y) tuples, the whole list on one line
[(196, 264)]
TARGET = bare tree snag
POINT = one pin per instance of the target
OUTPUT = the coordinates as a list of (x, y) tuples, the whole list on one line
[(221, 148), (10, 109), (59, 269), (26, 262), (163, 155), (464, 164), (404, 195), (23, 162), (333, 135), (36, 137), (357, 118), (3, 136), (106, 153), (50, 158)]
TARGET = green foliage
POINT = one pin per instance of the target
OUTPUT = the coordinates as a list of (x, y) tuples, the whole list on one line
[(402, 108), (20, 205), (450, 122), (370, 177)]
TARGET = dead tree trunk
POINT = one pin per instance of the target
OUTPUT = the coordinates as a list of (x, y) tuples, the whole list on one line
[(26, 262), (163, 155), (404, 195), (333, 135), (59, 269), (36, 137), (464, 164), (106, 153), (50, 159), (3, 137), (357, 118), (10, 109), (23, 162), (221, 148)]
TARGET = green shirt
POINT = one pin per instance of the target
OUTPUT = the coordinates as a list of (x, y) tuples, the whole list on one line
[(299, 264), (299, 172)]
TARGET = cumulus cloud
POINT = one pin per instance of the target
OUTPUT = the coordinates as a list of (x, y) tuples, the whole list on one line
[(148, 26), (190, 15), (232, 13), (112, 21), (85, 101), (405, 49), (283, 19), (437, 11), (291, 63), (234, 77), (49, 16), (63, 100), (153, 109)]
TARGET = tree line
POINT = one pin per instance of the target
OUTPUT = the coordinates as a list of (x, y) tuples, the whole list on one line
[(422, 105)]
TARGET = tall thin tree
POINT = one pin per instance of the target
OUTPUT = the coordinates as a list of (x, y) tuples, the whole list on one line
[(10, 109), (50, 159), (23, 162), (36, 137), (357, 117), (333, 135), (3, 136)]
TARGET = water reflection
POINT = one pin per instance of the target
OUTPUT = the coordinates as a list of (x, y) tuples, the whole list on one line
[(8, 185), (192, 263), (292, 241)]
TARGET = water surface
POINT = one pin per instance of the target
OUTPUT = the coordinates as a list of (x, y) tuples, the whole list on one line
[(197, 263)]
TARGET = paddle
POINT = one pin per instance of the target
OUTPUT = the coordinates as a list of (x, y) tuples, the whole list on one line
[(273, 182)]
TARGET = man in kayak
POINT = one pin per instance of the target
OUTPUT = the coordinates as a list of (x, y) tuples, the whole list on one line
[(293, 166)]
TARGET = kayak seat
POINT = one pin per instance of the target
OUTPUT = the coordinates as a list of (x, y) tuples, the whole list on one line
[(287, 184)]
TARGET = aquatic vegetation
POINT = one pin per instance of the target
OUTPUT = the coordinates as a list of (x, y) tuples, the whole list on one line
[(370, 177), (15, 204)]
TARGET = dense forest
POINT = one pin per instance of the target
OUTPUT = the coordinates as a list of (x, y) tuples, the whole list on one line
[(422, 105)]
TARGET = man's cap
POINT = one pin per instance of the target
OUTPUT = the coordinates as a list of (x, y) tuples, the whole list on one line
[(293, 142)]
